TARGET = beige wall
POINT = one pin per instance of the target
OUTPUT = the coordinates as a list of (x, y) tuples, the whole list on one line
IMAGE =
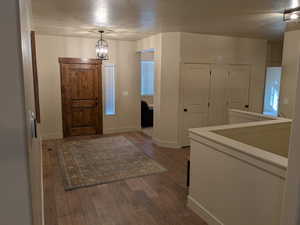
[(290, 65), (167, 62), (154, 42), (148, 99), (273, 138), (176, 48), (274, 53), (170, 75), (231, 181), (291, 204), (147, 56), (122, 54)]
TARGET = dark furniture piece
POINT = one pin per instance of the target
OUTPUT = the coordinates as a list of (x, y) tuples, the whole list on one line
[(147, 115)]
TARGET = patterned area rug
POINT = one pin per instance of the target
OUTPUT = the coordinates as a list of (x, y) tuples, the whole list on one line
[(103, 160)]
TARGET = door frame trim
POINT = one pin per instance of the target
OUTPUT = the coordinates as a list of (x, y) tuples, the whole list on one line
[(89, 61), (67, 60)]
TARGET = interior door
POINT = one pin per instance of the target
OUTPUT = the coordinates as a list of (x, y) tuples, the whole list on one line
[(218, 99), (238, 84), (81, 96), (195, 97)]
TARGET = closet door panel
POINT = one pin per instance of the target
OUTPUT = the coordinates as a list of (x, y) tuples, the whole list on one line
[(218, 99), (238, 84), (195, 97)]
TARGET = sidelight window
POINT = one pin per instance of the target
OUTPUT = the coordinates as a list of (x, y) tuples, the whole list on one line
[(110, 89)]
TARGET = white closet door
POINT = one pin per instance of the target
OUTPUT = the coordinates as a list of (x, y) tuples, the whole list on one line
[(195, 97), (218, 99), (238, 84)]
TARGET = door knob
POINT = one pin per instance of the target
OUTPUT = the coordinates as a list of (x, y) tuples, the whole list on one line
[(185, 110), (247, 106)]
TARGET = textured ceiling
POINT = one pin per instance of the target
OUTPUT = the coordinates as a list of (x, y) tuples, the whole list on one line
[(134, 19)]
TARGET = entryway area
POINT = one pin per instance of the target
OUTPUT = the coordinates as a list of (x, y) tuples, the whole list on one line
[(158, 199), (121, 178)]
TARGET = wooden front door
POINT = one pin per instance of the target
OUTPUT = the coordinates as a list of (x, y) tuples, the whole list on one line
[(81, 96)]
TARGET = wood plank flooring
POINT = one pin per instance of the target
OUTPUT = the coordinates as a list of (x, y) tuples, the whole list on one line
[(150, 200)]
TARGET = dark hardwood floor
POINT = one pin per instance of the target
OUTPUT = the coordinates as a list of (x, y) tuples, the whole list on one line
[(150, 200)]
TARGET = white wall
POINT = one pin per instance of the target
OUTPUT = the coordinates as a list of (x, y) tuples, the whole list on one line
[(121, 53), (16, 101), (289, 77)]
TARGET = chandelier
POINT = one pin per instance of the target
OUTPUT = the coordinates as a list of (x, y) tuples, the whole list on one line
[(102, 47)]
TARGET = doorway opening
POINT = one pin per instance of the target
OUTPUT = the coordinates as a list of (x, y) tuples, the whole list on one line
[(147, 91), (272, 91)]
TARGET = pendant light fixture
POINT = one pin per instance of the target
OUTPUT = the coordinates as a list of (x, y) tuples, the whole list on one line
[(102, 47)]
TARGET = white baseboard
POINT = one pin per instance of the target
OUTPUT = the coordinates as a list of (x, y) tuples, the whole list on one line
[(201, 211), (121, 130), (51, 136), (165, 144)]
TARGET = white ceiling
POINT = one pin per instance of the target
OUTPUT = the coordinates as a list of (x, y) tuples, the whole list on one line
[(134, 19)]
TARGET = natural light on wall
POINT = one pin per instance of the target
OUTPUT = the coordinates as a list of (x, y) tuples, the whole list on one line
[(147, 78), (272, 91), (109, 87)]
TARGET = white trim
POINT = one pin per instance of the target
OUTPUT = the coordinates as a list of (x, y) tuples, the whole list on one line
[(252, 115), (165, 144), (51, 136), (120, 130), (201, 211)]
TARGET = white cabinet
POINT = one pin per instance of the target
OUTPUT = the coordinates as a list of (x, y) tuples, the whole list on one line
[(208, 91)]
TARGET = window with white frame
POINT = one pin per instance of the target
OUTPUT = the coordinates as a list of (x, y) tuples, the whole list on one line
[(110, 89), (147, 78), (272, 91)]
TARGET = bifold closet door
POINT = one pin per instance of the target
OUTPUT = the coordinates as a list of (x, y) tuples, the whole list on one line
[(195, 97), (218, 96), (238, 84)]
